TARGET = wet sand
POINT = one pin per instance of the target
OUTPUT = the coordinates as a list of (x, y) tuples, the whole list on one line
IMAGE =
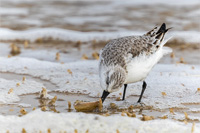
[(32, 101)]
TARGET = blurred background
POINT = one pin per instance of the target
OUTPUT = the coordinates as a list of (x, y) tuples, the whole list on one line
[(76, 30)]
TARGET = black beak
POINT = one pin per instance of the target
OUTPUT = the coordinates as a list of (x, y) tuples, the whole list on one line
[(104, 95)]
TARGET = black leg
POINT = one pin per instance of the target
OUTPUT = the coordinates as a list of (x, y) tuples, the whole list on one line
[(143, 89), (125, 85)]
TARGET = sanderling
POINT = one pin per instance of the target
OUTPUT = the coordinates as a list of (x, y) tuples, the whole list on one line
[(129, 59)]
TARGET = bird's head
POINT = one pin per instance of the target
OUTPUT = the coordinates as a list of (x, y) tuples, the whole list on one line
[(113, 82)]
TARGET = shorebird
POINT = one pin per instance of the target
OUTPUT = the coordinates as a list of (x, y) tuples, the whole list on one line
[(129, 59)]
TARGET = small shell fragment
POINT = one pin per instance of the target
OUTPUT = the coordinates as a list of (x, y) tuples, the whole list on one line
[(122, 114), (193, 127), (69, 105), (130, 108), (69, 71), (75, 131), (53, 101), (147, 118), (131, 114), (164, 94), (172, 55), (44, 108), (26, 44), (23, 80), (10, 91), (23, 111), (43, 93), (18, 84), (34, 108), (118, 99), (57, 56), (186, 116), (95, 55), (84, 57), (15, 50), (113, 106), (23, 130), (49, 130), (171, 110), (164, 117)]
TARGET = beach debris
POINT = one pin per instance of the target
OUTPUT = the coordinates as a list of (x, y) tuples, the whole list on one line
[(23, 111), (26, 44), (34, 108), (95, 55), (164, 94), (198, 90), (185, 121), (7, 131), (15, 50), (123, 114), (171, 110), (78, 44), (53, 101), (106, 114), (192, 67), (18, 84), (69, 105), (113, 106), (39, 40), (44, 108), (172, 55), (11, 110), (100, 105), (69, 71), (84, 57), (182, 60), (147, 118), (81, 106), (130, 114), (117, 131), (48, 130), (118, 99), (23, 80), (10, 91), (193, 127), (57, 56), (120, 93), (75, 131), (43, 93), (23, 130), (186, 116), (164, 117), (87, 131)]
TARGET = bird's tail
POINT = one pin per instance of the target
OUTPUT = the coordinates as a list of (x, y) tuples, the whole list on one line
[(158, 35)]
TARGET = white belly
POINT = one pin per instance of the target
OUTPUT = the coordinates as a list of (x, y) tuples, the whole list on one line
[(138, 68)]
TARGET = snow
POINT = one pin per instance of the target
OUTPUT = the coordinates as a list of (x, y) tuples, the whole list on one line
[(42, 121)]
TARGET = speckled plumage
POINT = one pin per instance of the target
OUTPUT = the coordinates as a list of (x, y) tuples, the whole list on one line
[(121, 58)]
